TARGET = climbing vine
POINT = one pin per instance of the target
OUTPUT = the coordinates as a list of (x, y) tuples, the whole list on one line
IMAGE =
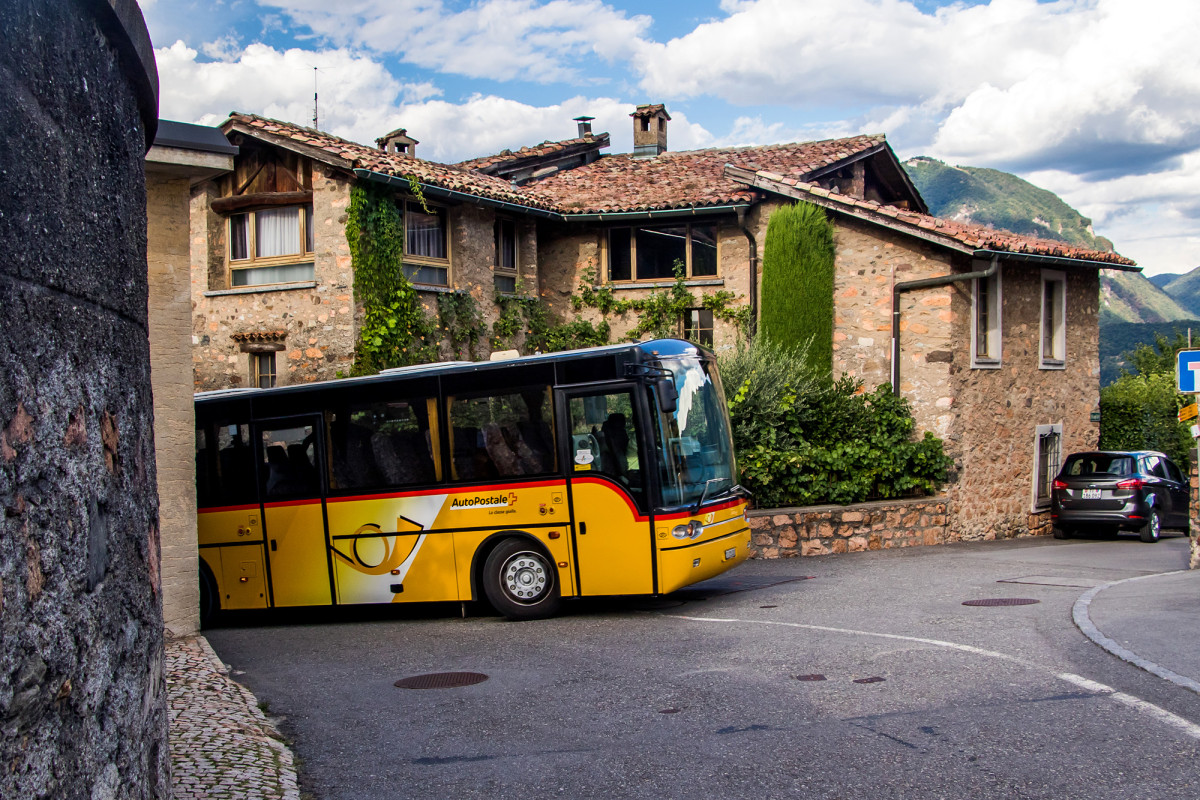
[(461, 324), (526, 323), (660, 314), (395, 330)]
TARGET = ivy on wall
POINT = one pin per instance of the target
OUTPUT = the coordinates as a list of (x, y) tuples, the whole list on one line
[(660, 314), (797, 282), (395, 330)]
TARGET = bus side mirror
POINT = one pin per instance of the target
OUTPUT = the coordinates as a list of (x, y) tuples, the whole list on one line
[(667, 395)]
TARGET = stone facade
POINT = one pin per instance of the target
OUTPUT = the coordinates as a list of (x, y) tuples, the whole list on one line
[(821, 530), (82, 696)]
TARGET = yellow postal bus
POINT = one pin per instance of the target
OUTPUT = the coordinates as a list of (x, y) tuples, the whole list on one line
[(606, 471)]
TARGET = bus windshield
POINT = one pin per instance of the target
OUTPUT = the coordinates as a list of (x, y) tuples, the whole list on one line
[(695, 442)]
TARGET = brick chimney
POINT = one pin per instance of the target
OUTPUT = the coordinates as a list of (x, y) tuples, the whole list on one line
[(650, 130), (398, 141)]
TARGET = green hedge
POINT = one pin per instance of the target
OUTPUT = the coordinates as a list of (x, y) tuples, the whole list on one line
[(1141, 412), (797, 283)]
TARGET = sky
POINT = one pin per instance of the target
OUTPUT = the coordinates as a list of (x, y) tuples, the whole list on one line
[(1095, 100)]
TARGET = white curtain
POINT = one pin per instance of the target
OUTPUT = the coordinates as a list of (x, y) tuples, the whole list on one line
[(277, 231), (425, 234), (239, 237)]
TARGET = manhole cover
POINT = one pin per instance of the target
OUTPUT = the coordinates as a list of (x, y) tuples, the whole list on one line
[(441, 680), (816, 677), (872, 679), (1002, 601)]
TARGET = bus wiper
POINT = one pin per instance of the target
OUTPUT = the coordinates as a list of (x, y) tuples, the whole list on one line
[(704, 494)]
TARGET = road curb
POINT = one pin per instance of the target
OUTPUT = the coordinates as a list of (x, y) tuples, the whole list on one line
[(1083, 621)]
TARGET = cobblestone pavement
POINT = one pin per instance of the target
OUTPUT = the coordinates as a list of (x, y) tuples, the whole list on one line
[(222, 746)]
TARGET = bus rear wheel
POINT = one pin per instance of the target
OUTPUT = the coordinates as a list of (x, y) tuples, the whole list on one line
[(210, 600), (520, 581)]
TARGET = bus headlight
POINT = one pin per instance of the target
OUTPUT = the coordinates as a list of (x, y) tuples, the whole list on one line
[(690, 531)]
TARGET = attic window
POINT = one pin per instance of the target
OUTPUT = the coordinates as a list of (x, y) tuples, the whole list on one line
[(271, 245)]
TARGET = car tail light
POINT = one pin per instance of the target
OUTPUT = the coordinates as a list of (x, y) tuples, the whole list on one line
[(1132, 483), (1059, 484)]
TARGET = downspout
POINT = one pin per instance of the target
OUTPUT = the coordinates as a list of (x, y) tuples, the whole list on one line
[(752, 326), (925, 283)]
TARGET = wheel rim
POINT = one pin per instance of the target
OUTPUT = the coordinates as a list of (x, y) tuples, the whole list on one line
[(1155, 525), (525, 577)]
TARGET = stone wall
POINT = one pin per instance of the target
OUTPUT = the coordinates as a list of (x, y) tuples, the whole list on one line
[(174, 419), (821, 530), (319, 317), (997, 411), (82, 700), (569, 252)]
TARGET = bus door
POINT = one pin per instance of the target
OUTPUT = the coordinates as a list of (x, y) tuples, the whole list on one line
[(607, 475), (291, 463)]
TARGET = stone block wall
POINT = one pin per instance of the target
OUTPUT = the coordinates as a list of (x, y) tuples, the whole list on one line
[(821, 530), (568, 252), (82, 697), (997, 411), (318, 317), (167, 201)]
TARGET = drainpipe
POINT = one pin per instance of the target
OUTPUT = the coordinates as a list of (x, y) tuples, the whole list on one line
[(924, 283), (753, 325)]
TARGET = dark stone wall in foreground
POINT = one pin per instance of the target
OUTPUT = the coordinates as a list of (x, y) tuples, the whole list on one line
[(82, 701)]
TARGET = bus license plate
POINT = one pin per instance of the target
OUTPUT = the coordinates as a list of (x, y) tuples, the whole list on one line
[(1091, 494), (730, 553)]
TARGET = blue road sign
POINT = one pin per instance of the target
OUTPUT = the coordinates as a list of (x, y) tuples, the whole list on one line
[(1187, 371)]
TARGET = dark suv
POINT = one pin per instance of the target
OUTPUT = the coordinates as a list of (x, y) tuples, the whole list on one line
[(1110, 491)]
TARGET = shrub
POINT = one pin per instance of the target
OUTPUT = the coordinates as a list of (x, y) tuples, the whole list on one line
[(805, 440)]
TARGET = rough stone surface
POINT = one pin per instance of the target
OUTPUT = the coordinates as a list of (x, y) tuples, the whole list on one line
[(821, 530), (222, 746), (82, 702)]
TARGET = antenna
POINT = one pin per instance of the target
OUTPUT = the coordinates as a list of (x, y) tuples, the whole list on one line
[(316, 126)]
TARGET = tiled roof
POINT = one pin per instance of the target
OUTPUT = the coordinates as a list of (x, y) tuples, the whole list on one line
[(964, 235), (398, 165), (651, 110), (538, 150), (259, 336), (688, 179)]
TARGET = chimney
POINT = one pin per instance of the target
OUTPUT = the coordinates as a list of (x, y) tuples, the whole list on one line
[(398, 141), (585, 126), (650, 130)]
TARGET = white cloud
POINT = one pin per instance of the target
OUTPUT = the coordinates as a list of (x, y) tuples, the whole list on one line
[(497, 39), (360, 100)]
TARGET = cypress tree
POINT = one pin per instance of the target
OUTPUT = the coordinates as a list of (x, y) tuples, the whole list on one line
[(797, 283)]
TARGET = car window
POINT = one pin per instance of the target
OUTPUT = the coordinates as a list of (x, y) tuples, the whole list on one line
[(1173, 471), (1098, 464), (1152, 465)]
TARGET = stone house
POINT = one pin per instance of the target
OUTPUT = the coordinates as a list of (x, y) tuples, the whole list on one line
[(990, 335)]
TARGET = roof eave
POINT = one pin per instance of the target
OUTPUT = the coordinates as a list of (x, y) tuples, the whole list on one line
[(287, 143)]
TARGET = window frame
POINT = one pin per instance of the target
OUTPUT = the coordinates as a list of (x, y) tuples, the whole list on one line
[(304, 257), (694, 322), (606, 243), (413, 264), (993, 335), (499, 272), (1041, 501), (257, 373), (1052, 323)]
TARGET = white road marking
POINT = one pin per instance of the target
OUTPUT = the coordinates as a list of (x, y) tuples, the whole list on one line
[(1101, 690)]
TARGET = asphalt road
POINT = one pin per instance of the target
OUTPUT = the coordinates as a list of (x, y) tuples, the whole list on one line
[(908, 693)]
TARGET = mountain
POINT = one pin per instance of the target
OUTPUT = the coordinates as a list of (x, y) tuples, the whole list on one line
[(1002, 200), (1185, 290), (1163, 278)]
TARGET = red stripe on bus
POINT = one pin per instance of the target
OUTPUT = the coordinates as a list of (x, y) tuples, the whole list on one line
[(448, 490), (704, 510), (638, 517)]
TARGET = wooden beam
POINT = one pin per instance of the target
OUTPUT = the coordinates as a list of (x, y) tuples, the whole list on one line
[(226, 205)]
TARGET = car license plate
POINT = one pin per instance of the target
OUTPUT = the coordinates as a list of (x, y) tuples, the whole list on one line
[(1091, 494), (730, 553)]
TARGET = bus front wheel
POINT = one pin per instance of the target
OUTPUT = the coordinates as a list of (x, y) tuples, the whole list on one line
[(520, 581), (210, 600)]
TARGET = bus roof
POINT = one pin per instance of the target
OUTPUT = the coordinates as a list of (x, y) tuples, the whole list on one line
[(662, 347)]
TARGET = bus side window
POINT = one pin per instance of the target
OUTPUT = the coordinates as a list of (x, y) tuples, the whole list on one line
[(381, 445), (604, 439), (502, 435), (224, 472)]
